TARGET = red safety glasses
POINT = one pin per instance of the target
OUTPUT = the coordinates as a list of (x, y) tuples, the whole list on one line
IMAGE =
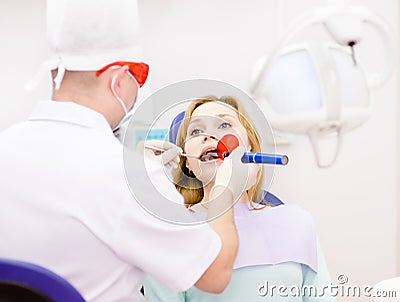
[(139, 71)]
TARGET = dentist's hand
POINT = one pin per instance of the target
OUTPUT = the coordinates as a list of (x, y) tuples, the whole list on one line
[(169, 157), (232, 174)]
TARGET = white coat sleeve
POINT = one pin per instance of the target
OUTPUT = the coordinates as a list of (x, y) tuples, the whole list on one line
[(175, 255)]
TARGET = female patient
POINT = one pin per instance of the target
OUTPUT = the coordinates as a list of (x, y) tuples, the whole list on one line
[(279, 258)]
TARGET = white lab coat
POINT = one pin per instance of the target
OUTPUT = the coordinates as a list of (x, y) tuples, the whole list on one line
[(64, 204)]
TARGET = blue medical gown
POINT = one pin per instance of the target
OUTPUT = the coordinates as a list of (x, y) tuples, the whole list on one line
[(290, 268), (280, 282)]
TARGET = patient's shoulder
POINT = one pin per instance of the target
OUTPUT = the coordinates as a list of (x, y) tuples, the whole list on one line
[(291, 214)]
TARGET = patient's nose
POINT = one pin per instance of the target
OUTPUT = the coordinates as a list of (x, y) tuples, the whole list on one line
[(206, 137)]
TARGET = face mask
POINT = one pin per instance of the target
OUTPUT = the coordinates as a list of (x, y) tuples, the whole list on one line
[(128, 114)]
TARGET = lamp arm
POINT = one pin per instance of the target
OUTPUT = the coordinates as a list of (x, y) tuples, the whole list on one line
[(321, 16), (391, 60), (299, 24)]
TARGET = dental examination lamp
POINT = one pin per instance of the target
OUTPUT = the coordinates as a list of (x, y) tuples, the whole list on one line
[(320, 88)]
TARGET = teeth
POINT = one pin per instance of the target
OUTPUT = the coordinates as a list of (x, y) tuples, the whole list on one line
[(208, 156)]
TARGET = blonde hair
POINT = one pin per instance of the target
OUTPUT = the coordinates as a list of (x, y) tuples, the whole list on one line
[(185, 181)]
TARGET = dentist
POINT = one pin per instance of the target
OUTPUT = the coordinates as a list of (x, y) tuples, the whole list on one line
[(64, 201)]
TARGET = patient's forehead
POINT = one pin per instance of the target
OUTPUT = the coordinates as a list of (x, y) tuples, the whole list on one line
[(214, 109)]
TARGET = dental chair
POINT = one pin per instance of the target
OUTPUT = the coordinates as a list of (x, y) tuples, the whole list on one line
[(23, 281)]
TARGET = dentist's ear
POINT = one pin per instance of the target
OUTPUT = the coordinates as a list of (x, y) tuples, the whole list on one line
[(116, 80), (116, 86)]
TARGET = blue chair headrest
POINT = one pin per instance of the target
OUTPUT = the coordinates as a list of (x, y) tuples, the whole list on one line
[(174, 127), (269, 198)]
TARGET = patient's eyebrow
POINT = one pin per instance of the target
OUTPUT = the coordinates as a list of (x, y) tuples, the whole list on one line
[(201, 117), (196, 120), (226, 114)]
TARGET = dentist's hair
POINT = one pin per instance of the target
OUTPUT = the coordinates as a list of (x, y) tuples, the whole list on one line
[(185, 181)]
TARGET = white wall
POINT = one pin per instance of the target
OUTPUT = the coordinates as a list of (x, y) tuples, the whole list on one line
[(23, 48), (354, 203)]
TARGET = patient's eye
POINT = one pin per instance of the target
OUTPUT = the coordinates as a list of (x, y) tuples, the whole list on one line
[(225, 125), (195, 131)]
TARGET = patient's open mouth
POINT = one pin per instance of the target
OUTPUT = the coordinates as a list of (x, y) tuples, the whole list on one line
[(209, 155)]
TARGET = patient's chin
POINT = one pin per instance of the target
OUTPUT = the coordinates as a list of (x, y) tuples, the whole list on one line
[(207, 172)]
